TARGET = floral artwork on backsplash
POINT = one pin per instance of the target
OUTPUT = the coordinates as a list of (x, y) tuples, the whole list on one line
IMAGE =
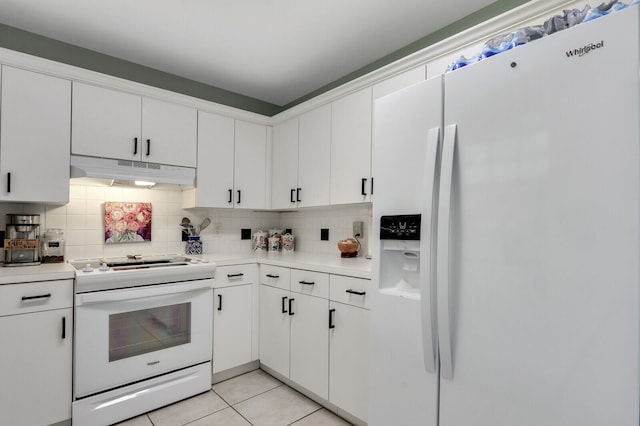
[(126, 222)]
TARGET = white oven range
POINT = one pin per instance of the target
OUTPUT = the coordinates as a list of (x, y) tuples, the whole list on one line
[(143, 334)]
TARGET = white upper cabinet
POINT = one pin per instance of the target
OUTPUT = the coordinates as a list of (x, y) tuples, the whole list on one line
[(285, 165), (231, 169), (34, 137), (214, 175), (314, 145), (169, 133), (112, 124), (250, 171), (351, 148)]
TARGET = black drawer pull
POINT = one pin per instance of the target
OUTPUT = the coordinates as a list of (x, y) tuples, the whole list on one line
[(284, 300), (331, 324), (298, 199), (292, 192), (359, 293), (135, 146), (8, 182), (230, 196), (239, 196), (41, 296), (64, 327), (235, 275), (291, 307), (362, 189), (307, 282), (273, 276), (219, 302), (148, 147)]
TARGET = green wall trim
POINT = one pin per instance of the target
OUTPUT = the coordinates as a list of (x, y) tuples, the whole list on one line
[(44, 47), (482, 15), (48, 48)]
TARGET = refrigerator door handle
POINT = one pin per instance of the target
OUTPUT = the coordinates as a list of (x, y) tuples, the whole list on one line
[(442, 265), (427, 308)]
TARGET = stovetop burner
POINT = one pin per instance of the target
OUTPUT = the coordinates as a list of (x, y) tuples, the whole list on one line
[(134, 270)]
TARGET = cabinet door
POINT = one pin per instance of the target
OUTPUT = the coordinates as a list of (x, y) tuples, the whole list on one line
[(309, 364), (274, 329), (106, 123), (314, 157), (169, 133), (285, 165), (250, 166), (34, 137), (351, 148), (214, 178), (232, 319), (349, 358), (35, 366)]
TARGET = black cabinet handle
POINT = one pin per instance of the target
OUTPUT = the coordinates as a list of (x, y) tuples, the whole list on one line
[(363, 189), (371, 186), (359, 293), (292, 191), (135, 146), (219, 302), (284, 299), (235, 275), (64, 327), (306, 282), (40, 296), (298, 190), (230, 196), (9, 182), (291, 307), (239, 194), (331, 324), (148, 147), (273, 276)]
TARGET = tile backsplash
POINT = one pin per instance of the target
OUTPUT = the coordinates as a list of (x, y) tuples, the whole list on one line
[(82, 220)]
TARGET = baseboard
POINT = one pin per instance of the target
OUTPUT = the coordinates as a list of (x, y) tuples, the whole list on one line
[(235, 371)]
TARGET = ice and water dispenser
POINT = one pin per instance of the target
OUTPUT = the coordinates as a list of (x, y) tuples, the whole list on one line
[(400, 255)]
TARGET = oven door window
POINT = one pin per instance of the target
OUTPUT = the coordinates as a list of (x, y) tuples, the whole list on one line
[(148, 330)]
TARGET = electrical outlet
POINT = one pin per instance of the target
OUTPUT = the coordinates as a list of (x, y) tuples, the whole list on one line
[(217, 229), (358, 229), (324, 234), (245, 234)]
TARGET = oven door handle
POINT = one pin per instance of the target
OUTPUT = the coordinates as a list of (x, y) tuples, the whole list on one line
[(139, 293)]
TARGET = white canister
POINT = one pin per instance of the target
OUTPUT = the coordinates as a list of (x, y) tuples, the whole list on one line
[(287, 242), (259, 241), (274, 243)]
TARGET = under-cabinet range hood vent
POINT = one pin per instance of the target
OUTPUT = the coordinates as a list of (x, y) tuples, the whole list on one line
[(129, 171)]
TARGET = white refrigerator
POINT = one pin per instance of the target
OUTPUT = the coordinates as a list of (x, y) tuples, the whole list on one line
[(520, 175)]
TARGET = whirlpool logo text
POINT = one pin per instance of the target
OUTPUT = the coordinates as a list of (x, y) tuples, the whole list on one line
[(584, 50)]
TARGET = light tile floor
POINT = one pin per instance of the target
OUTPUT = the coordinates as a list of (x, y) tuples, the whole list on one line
[(255, 398)]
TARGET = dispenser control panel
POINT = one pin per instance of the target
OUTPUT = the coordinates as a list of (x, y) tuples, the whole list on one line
[(400, 227)]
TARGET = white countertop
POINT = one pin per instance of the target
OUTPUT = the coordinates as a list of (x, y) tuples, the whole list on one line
[(44, 272), (358, 267)]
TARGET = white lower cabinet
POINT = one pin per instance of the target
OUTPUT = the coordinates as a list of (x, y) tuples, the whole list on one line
[(233, 316), (314, 331), (36, 325)]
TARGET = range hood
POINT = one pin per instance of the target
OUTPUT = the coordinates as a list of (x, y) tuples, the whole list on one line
[(129, 171)]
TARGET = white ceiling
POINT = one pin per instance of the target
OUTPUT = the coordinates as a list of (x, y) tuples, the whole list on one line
[(272, 50)]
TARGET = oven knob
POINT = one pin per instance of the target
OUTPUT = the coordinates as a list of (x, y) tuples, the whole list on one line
[(195, 261), (87, 268), (104, 267), (205, 261)]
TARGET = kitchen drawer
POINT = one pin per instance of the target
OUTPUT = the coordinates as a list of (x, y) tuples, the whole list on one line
[(309, 282), (275, 276), (227, 276), (36, 296), (349, 290)]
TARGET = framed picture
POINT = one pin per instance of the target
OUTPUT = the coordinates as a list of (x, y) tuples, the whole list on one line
[(126, 222)]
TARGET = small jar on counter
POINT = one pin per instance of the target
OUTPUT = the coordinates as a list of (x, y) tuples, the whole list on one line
[(53, 246)]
